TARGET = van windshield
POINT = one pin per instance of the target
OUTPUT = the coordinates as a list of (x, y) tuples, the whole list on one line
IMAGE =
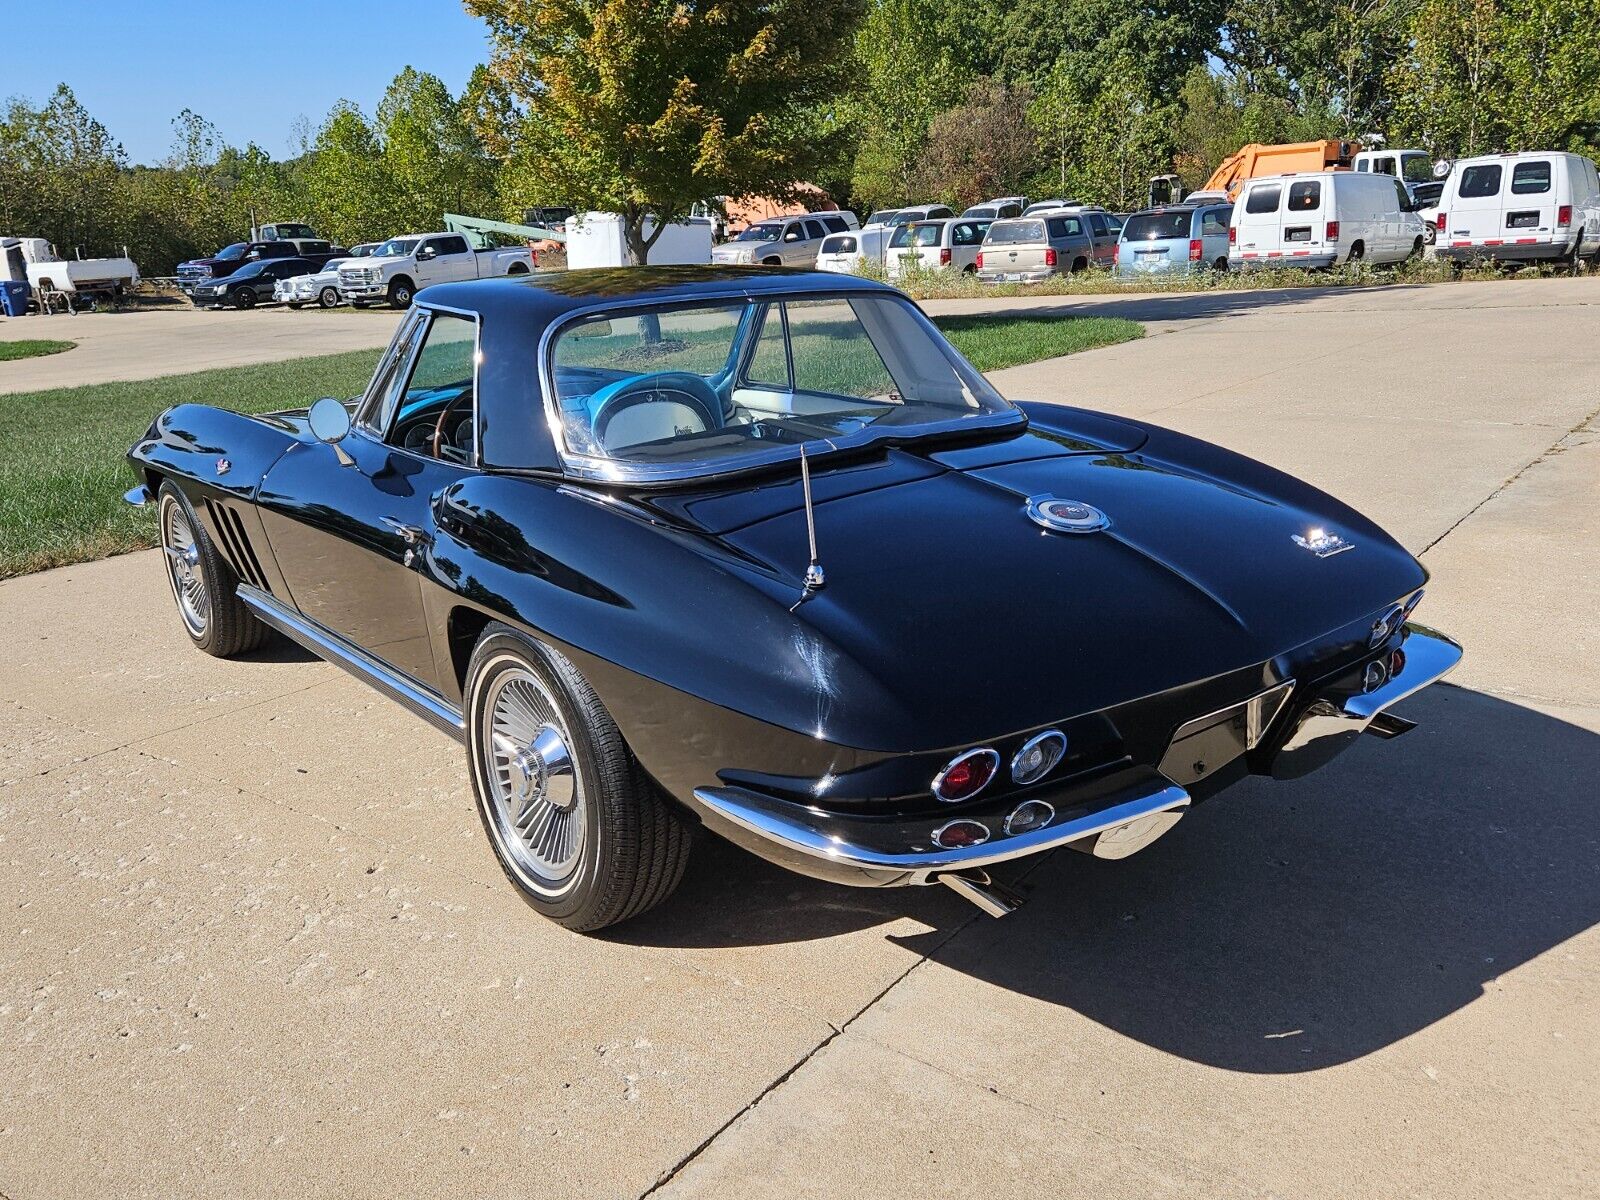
[(1012, 233)]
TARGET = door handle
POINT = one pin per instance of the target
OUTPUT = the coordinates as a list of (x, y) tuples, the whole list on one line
[(413, 534)]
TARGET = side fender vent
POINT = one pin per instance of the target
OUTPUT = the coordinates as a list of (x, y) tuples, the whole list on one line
[(236, 546)]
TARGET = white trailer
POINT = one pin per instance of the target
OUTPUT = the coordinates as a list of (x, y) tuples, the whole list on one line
[(36, 261), (595, 240)]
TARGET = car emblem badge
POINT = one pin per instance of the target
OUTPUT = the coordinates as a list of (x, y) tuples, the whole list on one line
[(1322, 543), (1065, 516), (223, 466)]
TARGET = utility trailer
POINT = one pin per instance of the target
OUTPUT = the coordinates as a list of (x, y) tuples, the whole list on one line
[(62, 280)]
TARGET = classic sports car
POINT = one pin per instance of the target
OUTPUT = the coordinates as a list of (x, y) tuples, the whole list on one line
[(758, 550)]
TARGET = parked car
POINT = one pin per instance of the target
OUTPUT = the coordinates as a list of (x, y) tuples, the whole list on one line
[(841, 252), (822, 683), (951, 244), (998, 208), (1425, 202), (250, 284), (1321, 219), (320, 288), (784, 241), (364, 249), (1534, 207), (228, 260), (1030, 249), (400, 268), (1179, 237)]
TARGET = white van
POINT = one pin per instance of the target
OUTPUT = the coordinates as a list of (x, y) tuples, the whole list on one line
[(1323, 219), (1520, 208)]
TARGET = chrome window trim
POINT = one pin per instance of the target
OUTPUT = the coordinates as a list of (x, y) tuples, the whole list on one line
[(608, 470), (427, 311), (364, 413)]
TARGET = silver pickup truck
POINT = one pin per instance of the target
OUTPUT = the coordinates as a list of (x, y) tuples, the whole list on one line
[(401, 267)]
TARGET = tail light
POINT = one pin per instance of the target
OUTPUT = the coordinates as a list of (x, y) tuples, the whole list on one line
[(1196, 250), (960, 833), (944, 258), (1050, 257), (1038, 757), (1233, 235), (1333, 231), (1564, 215), (980, 260), (1439, 220), (965, 775), (1116, 254)]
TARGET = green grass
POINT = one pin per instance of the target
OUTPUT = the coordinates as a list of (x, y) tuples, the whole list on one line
[(61, 482), (32, 349)]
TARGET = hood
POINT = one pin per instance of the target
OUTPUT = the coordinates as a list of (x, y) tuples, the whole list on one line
[(373, 261), (941, 587), (737, 251)]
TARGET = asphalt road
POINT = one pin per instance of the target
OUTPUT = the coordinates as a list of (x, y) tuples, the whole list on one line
[(255, 943)]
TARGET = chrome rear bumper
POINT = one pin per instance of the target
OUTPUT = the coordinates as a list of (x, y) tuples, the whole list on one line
[(1343, 712), (808, 841)]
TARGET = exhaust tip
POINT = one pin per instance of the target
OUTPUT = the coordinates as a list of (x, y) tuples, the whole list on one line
[(1133, 837), (994, 898)]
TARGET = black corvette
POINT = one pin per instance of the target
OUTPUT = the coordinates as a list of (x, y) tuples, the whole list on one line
[(758, 550)]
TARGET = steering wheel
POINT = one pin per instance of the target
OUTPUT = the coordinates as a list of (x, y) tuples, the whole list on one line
[(682, 388), (444, 417)]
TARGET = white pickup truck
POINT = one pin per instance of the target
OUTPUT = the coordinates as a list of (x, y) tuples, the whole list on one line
[(401, 267)]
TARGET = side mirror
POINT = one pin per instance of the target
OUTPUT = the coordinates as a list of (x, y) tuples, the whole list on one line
[(329, 422), (426, 253)]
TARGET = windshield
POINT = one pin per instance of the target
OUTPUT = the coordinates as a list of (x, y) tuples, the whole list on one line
[(1415, 168), (715, 387), (283, 232), (234, 251), (881, 217), (1157, 226), (1011, 233), (396, 248), (250, 269), (983, 210), (764, 232)]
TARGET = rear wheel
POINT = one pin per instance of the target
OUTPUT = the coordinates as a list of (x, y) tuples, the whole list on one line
[(585, 836), (1358, 252), (203, 585), (1221, 264), (1079, 264)]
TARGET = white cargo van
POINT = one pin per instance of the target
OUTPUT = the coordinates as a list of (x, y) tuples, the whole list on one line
[(1323, 219), (1520, 208)]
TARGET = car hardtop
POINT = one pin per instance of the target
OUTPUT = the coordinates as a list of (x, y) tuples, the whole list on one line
[(515, 317)]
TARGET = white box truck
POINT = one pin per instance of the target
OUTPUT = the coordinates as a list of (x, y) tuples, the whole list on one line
[(595, 240)]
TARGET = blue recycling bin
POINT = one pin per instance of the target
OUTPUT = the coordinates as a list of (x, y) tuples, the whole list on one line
[(14, 297)]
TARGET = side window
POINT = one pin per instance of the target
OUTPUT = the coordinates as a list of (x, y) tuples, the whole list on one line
[(769, 361), (1305, 196), (814, 231), (1402, 198), (1383, 166), (1058, 227), (965, 234), (833, 354), (835, 224), (452, 245), (1263, 199), (1214, 222), (939, 211), (1098, 224), (384, 391), (442, 378), (794, 232), (1530, 178), (1480, 181)]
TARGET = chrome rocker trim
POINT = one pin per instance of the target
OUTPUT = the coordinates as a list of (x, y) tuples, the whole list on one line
[(324, 643), (1334, 720), (796, 837)]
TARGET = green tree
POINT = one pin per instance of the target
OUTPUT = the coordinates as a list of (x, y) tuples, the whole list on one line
[(648, 107), (984, 146), (1104, 146), (1038, 40), (346, 180), (432, 158), (62, 175)]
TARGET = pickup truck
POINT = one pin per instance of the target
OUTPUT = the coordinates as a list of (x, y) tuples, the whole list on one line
[(230, 258), (400, 268)]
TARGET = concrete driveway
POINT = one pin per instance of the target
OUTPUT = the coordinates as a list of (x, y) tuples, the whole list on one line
[(256, 944)]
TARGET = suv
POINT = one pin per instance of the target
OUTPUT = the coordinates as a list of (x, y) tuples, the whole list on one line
[(1032, 249), (999, 208), (784, 241)]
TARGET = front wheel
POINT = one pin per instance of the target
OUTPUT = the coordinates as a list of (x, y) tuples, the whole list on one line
[(244, 297), (203, 585), (400, 294), (328, 297), (585, 836)]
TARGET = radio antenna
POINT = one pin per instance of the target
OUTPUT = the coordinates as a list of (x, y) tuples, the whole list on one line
[(815, 579)]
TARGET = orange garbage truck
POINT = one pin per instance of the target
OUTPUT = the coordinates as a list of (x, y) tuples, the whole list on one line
[(1254, 161)]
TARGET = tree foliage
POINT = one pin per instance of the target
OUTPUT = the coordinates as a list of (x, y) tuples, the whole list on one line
[(983, 147), (648, 107)]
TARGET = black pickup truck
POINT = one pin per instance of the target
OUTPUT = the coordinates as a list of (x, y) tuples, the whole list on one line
[(230, 258)]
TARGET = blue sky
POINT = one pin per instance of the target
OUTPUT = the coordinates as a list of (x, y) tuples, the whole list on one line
[(249, 68)]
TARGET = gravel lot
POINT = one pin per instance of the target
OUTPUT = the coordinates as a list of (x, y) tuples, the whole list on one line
[(257, 945)]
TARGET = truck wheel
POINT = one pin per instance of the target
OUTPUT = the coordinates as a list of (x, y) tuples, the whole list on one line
[(585, 836), (294, 304), (1221, 265), (244, 297), (1357, 253), (1079, 264), (772, 262), (400, 293), (328, 297), (517, 268)]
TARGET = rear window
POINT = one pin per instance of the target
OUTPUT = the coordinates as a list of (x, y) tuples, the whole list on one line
[(1305, 196), (1011, 233), (1530, 178), (1480, 181), (1155, 227), (839, 244), (902, 237), (1263, 199)]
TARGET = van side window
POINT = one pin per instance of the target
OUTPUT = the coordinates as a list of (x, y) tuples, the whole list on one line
[(1263, 199), (1305, 196), (1530, 178), (1402, 196), (1214, 223), (1480, 181), (1383, 166)]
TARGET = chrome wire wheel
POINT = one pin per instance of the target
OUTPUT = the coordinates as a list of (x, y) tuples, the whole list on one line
[(184, 572), (536, 794)]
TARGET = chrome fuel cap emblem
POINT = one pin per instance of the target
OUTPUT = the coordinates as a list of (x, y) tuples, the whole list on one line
[(1065, 516)]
